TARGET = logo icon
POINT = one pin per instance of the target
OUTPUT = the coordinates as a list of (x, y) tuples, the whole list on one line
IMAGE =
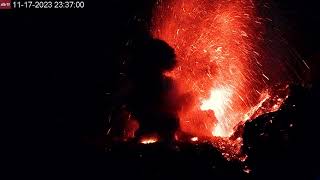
[(5, 4)]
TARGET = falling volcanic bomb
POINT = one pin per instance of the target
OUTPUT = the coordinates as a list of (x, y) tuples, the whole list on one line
[(224, 65)]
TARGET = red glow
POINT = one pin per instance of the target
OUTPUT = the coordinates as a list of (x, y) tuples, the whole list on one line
[(149, 140), (131, 127), (219, 69), (215, 49)]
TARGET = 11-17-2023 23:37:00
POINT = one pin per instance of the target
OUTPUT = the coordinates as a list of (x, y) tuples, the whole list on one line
[(49, 4)]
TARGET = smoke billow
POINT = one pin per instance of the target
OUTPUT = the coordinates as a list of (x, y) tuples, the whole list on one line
[(153, 98)]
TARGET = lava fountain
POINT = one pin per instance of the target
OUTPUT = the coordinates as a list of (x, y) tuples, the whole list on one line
[(223, 69)]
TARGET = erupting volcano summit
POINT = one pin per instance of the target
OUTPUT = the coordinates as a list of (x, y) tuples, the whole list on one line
[(224, 69)]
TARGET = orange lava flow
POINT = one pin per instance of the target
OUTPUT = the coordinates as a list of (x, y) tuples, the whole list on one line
[(216, 44)]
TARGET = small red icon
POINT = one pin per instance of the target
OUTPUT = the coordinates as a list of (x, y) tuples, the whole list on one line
[(5, 4)]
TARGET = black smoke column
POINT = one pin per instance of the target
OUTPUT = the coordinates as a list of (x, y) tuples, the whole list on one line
[(153, 97)]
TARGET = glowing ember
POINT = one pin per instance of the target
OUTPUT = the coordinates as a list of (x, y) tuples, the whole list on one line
[(149, 140), (247, 170), (194, 139)]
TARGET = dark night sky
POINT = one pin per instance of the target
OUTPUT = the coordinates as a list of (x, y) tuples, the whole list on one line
[(58, 66)]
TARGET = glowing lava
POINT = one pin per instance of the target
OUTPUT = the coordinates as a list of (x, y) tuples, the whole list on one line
[(222, 68), (218, 101), (149, 140), (194, 139)]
